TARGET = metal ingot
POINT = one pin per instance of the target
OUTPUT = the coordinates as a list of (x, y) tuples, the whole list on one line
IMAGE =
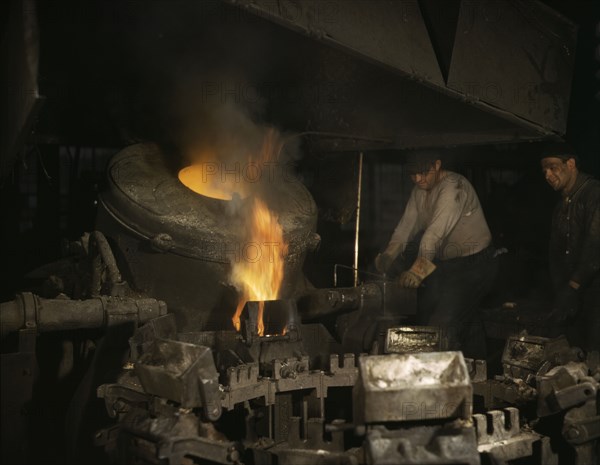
[(413, 339), (410, 387)]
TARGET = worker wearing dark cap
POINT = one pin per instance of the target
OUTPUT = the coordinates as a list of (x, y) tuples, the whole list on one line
[(574, 246), (454, 258)]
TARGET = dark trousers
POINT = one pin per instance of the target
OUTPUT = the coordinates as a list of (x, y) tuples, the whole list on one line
[(584, 332), (450, 298)]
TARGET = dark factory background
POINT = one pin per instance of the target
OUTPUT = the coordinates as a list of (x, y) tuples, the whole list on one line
[(115, 73), (111, 75)]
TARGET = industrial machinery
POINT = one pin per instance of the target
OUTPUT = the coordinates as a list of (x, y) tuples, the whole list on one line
[(182, 329), (186, 371)]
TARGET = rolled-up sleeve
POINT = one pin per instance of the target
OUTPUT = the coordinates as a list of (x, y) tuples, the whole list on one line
[(406, 229)]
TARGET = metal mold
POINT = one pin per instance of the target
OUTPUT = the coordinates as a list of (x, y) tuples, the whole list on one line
[(499, 435), (440, 444), (423, 386), (181, 372)]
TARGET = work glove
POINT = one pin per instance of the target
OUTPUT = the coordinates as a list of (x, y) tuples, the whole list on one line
[(383, 262), (414, 276), (566, 305)]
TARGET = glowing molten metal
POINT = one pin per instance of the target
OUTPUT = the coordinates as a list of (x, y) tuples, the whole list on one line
[(257, 272), (211, 179)]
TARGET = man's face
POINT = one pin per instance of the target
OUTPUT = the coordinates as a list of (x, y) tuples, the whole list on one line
[(428, 178), (559, 173)]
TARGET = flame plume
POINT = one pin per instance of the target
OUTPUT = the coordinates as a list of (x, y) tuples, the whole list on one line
[(259, 269)]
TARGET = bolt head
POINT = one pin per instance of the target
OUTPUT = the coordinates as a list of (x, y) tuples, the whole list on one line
[(572, 433)]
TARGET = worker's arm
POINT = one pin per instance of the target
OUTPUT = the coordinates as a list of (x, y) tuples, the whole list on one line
[(404, 232), (589, 259), (447, 210), (567, 302)]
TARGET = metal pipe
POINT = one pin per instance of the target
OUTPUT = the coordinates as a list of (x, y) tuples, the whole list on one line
[(104, 258), (322, 302), (383, 298), (357, 230), (33, 312), (114, 275), (375, 276)]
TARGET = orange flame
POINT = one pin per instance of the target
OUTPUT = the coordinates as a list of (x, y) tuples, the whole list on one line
[(257, 272), (260, 268)]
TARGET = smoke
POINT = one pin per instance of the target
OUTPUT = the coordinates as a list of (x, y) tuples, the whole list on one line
[(227, 143), (202, 68), (210, 120)]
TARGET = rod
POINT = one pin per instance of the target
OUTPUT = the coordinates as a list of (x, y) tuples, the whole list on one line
[(357, 230), (28, 310)]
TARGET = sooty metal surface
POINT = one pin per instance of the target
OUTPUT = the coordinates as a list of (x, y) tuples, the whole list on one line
[(174, 243)]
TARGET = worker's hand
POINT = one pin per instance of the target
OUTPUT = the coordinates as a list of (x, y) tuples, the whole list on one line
[(410, 280), (413, 277), (566, 305), (383, 262)]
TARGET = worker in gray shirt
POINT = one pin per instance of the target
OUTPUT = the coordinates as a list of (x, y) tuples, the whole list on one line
[(454, 266)]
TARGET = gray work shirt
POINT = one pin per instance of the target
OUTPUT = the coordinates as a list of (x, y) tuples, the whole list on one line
[(450, 216)]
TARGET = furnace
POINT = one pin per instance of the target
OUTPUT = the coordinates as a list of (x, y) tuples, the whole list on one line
[(188, 248)]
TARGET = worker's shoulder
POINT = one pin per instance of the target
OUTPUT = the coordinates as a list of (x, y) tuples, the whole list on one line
[(594, 183), (456, 181), (590, 192), (591, 185)]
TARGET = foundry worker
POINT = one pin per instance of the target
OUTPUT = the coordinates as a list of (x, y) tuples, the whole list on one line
[(574, 253), (454, 257)]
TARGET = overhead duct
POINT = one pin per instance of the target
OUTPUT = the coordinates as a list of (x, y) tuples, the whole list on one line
[(380, 74), (462, 72)]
